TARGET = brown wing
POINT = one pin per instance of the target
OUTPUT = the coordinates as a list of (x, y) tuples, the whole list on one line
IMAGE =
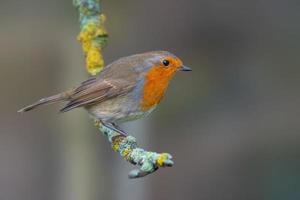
[(95, 91)]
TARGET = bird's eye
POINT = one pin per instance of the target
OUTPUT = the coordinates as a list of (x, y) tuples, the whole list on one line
[(166, 62)]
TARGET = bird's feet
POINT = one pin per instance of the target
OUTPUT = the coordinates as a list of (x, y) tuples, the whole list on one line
[(115, 127)]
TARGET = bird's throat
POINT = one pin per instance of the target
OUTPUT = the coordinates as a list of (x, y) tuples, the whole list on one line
[(155, 85)]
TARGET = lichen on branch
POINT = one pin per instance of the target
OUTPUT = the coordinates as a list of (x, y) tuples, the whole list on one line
[(93, 36), (129, 150)]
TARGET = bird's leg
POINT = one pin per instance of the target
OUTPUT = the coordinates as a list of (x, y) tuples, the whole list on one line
[(115, 127), (119, 128)]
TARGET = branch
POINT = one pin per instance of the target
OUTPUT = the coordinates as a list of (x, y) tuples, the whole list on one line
[(93, 38), (129, 150)]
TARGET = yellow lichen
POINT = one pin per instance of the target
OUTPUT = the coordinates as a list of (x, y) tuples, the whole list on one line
[(115, 146), (161, 159), (126, 153), (116, 141), (91, 46), (94, 61)]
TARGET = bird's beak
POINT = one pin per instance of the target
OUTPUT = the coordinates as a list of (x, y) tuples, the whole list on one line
[(185, 68)]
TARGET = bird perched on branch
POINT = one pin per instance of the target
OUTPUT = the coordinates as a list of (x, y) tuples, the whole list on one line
[(127, 89)]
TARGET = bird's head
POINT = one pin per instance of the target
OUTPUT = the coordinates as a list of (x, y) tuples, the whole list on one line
[(166, 63), (157, 69), (161, 64)]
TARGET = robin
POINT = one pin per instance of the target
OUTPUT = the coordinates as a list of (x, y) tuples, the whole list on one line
[(127, 89)]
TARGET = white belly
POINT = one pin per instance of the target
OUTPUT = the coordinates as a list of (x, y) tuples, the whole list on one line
[(118, 110)]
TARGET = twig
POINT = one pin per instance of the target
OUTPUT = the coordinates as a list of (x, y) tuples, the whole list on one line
[(93, 36), (129, 150)]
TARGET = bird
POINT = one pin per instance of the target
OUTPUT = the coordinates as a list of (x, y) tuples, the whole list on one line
[(127, 89)]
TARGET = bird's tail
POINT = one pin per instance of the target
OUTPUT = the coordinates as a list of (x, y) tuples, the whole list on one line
[(47, 100)]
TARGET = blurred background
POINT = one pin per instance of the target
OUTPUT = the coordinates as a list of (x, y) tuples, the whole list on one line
[(232, 124)]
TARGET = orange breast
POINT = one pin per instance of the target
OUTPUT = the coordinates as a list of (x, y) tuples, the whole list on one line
[(155, 85)]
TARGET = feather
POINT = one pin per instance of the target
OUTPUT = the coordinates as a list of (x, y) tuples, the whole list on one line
[(97, 92)]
